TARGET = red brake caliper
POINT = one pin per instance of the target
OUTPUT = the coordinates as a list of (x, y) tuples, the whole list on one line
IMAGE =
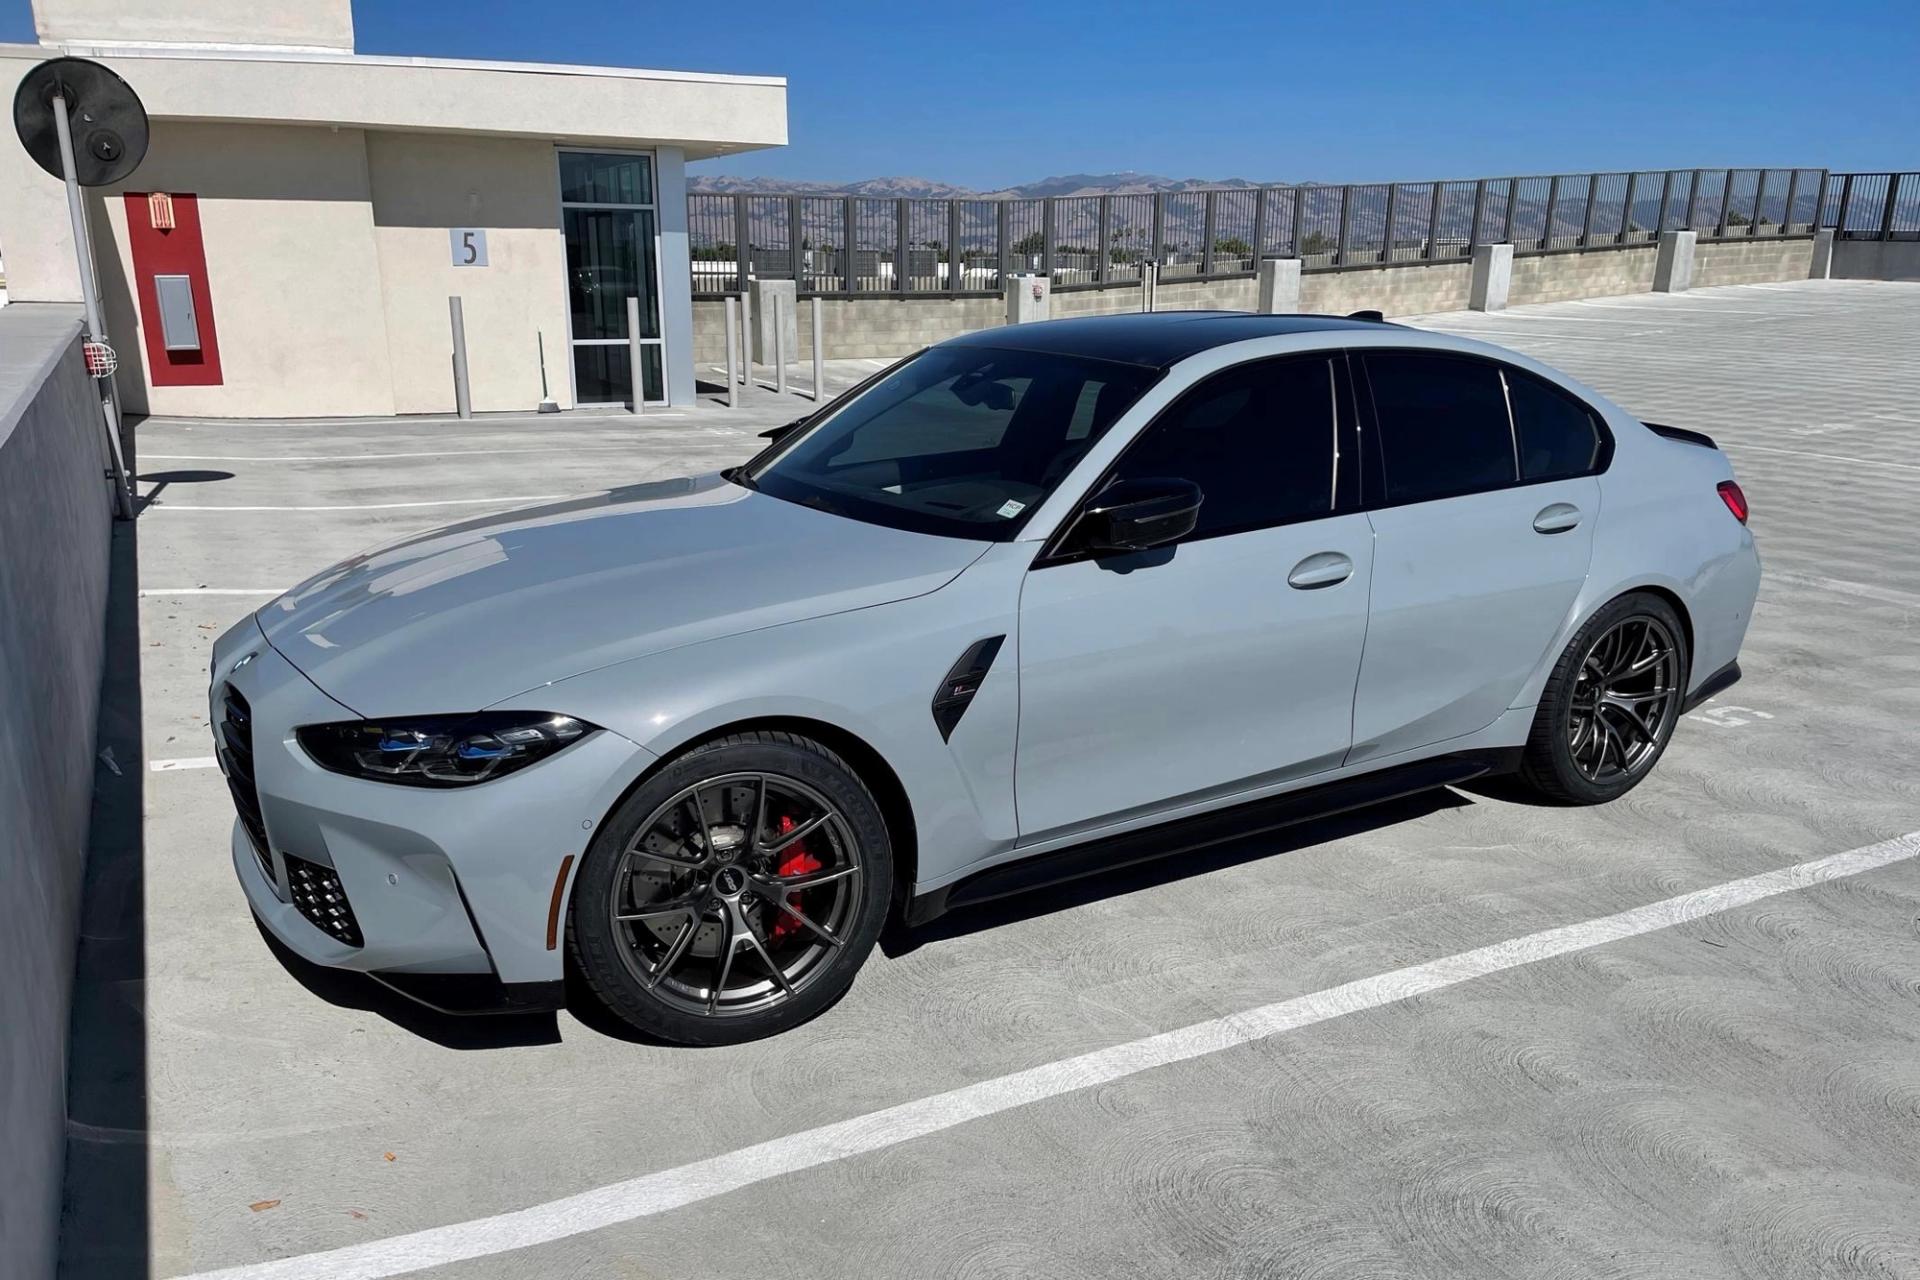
[(796, 861)]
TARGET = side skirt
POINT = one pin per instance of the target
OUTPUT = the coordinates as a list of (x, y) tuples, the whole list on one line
[(1187, 834)]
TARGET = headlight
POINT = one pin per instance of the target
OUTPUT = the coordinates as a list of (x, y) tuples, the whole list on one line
[(441, 751)]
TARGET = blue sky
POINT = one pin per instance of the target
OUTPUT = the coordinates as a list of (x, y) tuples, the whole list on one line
[(990, 93)]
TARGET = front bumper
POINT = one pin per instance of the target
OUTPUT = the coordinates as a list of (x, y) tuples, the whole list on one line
[(438, 883)]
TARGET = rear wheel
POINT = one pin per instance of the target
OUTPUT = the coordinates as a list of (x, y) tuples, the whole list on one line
[(735, 893), (1611, 704)]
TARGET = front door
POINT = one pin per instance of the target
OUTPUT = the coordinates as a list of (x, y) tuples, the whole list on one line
[(1226, 660), (608, 216)]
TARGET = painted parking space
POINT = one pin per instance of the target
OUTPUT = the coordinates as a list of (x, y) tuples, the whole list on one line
[(1548, 1114)]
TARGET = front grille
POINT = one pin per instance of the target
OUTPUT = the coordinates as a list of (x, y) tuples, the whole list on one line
[(317, 892), (236, 750)]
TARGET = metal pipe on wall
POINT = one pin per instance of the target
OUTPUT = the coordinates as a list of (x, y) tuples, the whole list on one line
[(462, 395)]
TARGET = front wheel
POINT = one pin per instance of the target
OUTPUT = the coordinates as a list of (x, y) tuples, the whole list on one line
[(1611, 704), (735, 893)]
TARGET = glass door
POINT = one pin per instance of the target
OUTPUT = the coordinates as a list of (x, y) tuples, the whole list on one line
[(609, 218)]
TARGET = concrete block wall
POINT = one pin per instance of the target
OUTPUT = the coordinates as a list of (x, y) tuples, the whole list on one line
[(885, 326), (1598, 273), (1751, 262), (1414, 289), (55, 529)]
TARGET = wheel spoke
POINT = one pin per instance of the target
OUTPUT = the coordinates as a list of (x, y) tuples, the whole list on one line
[(700, 814), (727, 949), (676, 951), (799, 833), (685, 906), (826, 935), (778, 974), (759, 816), (794, 884), (665, 859)]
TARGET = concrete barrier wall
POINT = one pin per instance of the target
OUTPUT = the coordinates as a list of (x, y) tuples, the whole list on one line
[(888, 326), (55, 525), (1876, 260)]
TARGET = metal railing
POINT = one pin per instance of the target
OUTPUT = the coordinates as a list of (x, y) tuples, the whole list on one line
[(860, 245), (1872, 206)]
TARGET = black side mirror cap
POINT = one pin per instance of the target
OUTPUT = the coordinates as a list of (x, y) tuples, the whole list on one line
[(1135, 515)]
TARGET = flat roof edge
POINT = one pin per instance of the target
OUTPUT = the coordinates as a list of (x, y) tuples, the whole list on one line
[(247, 53)]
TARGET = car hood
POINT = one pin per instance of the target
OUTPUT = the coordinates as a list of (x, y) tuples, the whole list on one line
[(459, 618)]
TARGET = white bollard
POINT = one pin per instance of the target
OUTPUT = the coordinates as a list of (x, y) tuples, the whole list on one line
[(779, 347), (731, 310), (818, 364), (634, 364)]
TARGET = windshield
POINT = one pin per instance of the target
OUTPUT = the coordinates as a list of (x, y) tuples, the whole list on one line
[(959, 441)]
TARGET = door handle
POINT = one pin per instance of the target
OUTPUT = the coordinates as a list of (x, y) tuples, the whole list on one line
[(1557, 517), (1326, 569)]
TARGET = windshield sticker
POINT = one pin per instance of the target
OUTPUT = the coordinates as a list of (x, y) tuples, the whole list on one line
[(1010, 508)]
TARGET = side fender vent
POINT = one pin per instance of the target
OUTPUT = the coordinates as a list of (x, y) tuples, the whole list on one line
[(955, 694)]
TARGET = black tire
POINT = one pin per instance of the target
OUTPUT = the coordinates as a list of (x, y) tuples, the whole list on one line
[(617, 958), (1559, 759)]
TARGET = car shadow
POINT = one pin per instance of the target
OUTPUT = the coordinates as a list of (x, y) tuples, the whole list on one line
[(898, 940), (351, 990)]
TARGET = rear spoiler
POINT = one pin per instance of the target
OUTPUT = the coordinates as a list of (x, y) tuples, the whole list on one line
[(1681, 434)]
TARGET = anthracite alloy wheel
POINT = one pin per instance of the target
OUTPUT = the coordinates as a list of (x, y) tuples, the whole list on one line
[(735, 893), (1623, 699), (1610, 706)]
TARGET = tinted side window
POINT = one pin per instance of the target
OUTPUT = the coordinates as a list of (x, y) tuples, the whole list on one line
[(1258, 440), (1556, 433), (1443, 425)]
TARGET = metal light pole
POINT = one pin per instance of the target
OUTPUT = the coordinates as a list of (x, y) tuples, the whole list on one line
[(90, 298)]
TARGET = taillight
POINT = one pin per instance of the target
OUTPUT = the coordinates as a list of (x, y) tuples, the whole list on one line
[(1736, 500)]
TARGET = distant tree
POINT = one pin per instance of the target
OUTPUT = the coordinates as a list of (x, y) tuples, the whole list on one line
[(1233, 247), (722, 252), (1317, 242), (1032, 242)]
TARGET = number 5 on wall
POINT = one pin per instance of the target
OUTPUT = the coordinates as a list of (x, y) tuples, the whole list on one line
[(469, 245)]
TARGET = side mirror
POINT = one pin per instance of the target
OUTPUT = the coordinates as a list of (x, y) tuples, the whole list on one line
[(1134, 515)]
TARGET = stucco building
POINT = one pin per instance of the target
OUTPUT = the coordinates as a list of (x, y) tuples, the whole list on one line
[(324, 205)]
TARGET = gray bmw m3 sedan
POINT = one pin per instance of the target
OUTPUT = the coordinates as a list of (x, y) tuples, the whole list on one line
[(1030, 604)]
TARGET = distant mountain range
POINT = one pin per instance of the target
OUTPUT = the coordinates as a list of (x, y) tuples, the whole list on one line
[(1067, 184)]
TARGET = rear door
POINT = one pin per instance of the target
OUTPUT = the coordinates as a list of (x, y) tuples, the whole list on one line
[(1481, 492), (1227, 659)]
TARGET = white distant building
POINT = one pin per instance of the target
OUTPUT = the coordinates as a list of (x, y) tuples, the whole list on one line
[(323, 206)]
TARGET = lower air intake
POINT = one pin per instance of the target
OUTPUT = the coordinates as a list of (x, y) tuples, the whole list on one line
[(317, 893)]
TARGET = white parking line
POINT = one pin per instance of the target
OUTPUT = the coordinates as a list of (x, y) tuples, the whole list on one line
[(1830, 457), (502, 501), (658, 1193), (189, 762), (211, 591), (1864, 590)]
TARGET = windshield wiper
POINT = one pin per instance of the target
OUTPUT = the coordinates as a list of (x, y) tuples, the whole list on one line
[(738, 475)]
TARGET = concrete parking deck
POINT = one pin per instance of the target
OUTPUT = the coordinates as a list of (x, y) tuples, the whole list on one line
[(1735, 1095)]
